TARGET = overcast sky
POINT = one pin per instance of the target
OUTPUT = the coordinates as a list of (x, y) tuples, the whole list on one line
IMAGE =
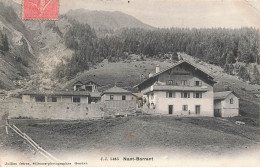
[(179, 13)]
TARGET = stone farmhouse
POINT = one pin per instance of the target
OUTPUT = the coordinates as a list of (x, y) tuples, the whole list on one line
[(182, 89)]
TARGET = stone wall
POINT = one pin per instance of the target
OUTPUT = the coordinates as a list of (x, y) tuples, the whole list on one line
[(120, 107), (70, 111), (56, 110)]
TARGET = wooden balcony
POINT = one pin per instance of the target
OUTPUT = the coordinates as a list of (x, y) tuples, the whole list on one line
[(179, 88), (176, 88)]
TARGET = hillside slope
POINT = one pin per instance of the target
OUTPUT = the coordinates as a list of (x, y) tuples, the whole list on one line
[(20, 60), (129, 73)]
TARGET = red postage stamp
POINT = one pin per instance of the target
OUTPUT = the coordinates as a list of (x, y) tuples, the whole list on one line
[(41, 9)]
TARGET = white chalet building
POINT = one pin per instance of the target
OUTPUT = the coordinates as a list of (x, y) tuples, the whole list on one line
[(182, 89)]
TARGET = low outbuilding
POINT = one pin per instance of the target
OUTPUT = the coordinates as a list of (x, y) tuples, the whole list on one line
[(55, 96), (226, 104)]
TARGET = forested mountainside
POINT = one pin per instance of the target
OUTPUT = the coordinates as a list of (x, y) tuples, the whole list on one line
[(59, 50), (232, 49)]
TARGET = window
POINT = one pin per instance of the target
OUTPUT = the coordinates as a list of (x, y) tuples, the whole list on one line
[(123, 97), (231, 101), (185, 107), (40, 98), (52, 99), (197, 83), (152, 106), (111, 97), (76, 99), (78, 87), (184, 82), (152, 95), (185, 95), (169, 82), (170, 94), (197, 95)]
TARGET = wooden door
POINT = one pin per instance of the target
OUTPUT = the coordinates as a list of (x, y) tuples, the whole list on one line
[(170, 109), (197, 109)]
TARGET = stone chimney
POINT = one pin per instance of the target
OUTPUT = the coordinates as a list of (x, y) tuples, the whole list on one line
[(157, 69)]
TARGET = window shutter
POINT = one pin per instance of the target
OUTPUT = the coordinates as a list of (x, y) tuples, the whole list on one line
[(173, 94), (194, 94), (200, 83), (200, 95), (188, 94), (181, 94), (194, 83), (167, 95)]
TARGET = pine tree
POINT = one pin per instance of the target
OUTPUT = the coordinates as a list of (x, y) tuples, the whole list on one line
[(256, 76), (226, 68), (1, 41), (243, 73), (230, 58), (5, 43)]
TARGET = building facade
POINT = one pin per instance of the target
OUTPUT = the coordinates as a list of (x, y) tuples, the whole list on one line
[(91, 87), (87, 86), (55, 96), (182, 89), (117, 94), (226, 104), (119, 99)]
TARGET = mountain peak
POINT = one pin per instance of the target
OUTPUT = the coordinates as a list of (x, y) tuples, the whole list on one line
[(106, 19)]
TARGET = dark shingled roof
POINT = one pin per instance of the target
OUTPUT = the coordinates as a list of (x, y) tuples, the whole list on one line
[(116, 89), (57, 93), (174, 65), (222, 95), (78, 83), (95, 94), (87, 82), (84, 83)]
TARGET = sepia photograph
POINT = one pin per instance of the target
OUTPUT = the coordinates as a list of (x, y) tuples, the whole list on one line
[(129, 83)]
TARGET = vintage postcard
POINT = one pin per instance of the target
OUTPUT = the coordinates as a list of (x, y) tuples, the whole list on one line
[(138, 83)]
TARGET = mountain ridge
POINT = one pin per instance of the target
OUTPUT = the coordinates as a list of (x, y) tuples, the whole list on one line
[(106, 20)]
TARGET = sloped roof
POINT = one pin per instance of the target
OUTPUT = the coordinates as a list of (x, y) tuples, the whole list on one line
[(88, 81), (85, 82), (137, 94), (174, 65), (95, 94), (223, 95), (57, 93), (180, 62), (116, 89), (78, 82)]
